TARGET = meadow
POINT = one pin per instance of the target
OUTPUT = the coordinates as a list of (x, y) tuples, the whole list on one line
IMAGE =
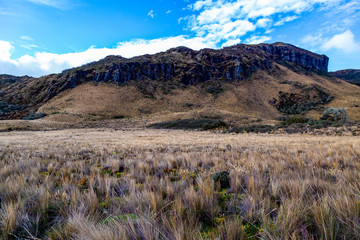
[(174, 184)]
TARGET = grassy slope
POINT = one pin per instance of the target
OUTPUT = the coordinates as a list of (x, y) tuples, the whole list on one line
[(238, 100)]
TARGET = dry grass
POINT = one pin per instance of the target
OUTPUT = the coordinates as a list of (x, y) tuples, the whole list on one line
[(156, 184)]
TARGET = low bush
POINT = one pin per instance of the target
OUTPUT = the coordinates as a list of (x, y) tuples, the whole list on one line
[(201, 124), (34, 116), (335, 114)]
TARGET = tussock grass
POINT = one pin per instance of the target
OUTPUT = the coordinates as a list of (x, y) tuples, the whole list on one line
[(159, 184)]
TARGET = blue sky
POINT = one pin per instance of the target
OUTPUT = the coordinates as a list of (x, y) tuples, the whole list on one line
[(40, 37)]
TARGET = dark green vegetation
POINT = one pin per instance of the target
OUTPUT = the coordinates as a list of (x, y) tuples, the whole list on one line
[(34, 116), (298, 103), (198, 124)]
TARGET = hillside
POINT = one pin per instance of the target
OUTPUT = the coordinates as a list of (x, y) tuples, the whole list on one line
[(238, 83), (349, 75), (6, 80)]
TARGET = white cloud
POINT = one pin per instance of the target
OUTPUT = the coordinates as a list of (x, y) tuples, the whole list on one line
[(212, 19), (168, 11), (200, 4), (313, 40), (26, 38), (344, 42), (151, 14), (231, 42), (264, 22), (45, 63), (60, 4), (285, 20), (29, 46), (5, 50), (257, 39)]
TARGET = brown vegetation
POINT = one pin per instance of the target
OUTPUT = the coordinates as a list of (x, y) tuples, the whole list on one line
[(157, 184)]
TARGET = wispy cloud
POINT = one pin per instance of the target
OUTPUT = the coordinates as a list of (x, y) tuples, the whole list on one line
[(26, 38), (151, 14), (60, 4), (284, 20)]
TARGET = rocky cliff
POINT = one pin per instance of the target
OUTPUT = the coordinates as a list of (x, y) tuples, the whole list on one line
[(181, 66), (191, 67)]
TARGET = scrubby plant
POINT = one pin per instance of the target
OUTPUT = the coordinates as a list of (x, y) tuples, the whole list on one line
[(335, 114)]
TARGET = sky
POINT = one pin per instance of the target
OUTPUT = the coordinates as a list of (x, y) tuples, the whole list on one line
[(39, 37)]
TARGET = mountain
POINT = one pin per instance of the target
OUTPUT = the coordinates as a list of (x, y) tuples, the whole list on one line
[(349, 75), (241, 82), (6, 80)]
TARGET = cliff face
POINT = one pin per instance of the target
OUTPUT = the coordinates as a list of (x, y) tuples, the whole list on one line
[(301, 57), (191, 67), (178, 65)]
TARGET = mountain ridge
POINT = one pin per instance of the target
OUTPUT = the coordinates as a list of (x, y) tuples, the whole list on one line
[(349, 75), (155, 76)]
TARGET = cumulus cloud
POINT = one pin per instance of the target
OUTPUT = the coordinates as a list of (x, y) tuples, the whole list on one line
[(344, 42), (45, 63), (5, 50), (229, 21)]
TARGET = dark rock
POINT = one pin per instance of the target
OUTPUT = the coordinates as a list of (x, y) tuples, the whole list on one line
[(289, 53)]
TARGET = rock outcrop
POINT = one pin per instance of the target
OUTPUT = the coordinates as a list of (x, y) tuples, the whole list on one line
[(308, 60)]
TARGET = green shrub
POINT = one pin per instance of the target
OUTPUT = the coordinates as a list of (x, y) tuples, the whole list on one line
[(296, 119)]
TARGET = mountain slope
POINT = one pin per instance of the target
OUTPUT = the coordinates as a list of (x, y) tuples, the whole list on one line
[(6, 80), (238, 82), (349, 75)]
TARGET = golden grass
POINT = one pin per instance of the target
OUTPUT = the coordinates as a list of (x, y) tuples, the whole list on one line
[(157, 184)]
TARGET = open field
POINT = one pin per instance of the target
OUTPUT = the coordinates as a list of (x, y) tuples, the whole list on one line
[(160, 184)]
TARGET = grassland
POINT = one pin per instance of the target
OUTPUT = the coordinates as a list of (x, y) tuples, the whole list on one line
[(160, 184)]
